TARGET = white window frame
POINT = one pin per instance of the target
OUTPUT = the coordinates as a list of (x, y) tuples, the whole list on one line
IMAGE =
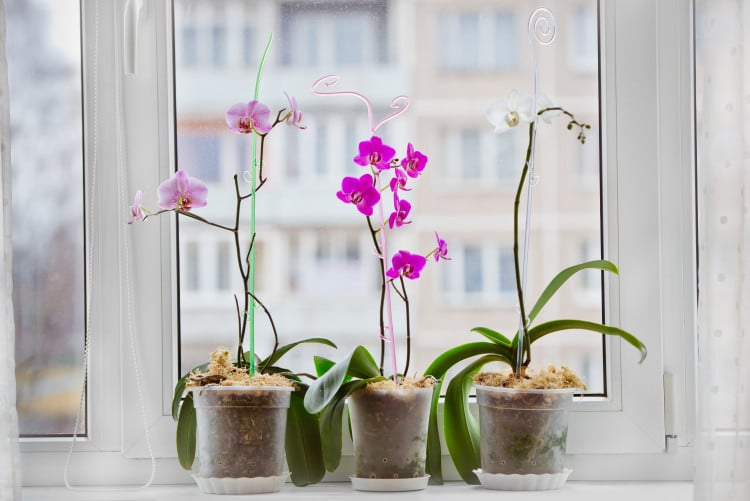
[(647, 90)]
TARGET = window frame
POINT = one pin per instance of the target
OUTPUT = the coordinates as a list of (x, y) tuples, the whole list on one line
[(649, 178)]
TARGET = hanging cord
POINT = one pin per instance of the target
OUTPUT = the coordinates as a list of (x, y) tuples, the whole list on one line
[(123, 263)]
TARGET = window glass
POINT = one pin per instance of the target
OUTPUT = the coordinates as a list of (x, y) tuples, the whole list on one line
[(320, 277), (44, 70)]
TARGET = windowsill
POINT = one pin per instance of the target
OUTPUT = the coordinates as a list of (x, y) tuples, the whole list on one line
[(573, 491)]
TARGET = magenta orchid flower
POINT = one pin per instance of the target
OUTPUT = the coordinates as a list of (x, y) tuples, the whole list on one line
[(398, 181), (398, 217), (294, 117), (375, 153), (414, 162), (244, 118), (136, 210), (406, 264), (360, 192), (441, 252), (182, 192)]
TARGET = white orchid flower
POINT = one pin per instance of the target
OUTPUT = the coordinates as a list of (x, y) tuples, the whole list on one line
[(515, 109), (518, 108)]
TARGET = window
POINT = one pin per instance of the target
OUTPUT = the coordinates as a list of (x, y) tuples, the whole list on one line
[(471, 41), (629, 421), (219, 52), (44, 64), (583, 55), (477, 157)]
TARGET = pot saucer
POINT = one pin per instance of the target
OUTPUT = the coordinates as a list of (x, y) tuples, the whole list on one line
[(527, 482), (242, 485)]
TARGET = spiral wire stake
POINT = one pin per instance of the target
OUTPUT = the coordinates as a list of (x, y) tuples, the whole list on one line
[(542, 29)]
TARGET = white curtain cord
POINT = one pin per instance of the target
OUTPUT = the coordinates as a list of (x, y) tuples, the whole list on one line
[(10, 467), (123, 263)]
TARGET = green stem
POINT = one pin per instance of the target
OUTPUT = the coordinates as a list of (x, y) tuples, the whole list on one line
[(373, 234), (519, 289)]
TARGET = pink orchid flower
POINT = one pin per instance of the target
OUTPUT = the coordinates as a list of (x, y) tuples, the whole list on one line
[(375, 153), (406, 264), (441, 252), (294, 117), (182, 192), (136, 210), (244, 118), (398, 217), (360, 192), (415, 161), (398, 182)]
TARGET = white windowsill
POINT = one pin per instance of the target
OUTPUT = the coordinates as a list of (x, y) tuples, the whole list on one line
[(573, 491)]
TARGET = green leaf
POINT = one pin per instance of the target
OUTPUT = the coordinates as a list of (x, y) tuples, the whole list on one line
[(558, 325), (359, 363), (322, 365), (179, 389), (434, 461), (304, 451), (451, 357), (186, 425), (493, 336), (283, 350), (459, 425), (563, 276), (331, 419)]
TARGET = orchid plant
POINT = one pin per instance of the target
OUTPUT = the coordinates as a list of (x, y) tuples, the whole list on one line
[(181, 194), (382, 189), (460, 427)]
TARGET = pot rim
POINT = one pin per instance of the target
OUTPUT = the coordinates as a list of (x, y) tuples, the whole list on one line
[(216, 387), (501, 389)]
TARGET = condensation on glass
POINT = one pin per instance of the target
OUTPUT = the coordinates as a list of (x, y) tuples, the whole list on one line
[(44, 66), (317, 272)]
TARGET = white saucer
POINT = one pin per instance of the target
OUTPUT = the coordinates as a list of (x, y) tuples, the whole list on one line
[(518, 482), (389, 484), (243, 485)]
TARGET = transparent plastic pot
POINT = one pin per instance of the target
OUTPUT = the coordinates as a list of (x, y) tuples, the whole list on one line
[(523, 431), (241, 430), (389, 431)]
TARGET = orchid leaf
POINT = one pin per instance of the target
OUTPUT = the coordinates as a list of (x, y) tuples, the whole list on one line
[(461, 428), (179, 389), (563, 276), (451, 357), (438, 368), (186, 425), (304, 449), (322, 365), (541, 330), (331, 419), (492, 335), (283, 350), (434, 462), (358, 363)]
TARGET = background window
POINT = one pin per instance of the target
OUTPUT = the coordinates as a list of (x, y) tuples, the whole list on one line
[(44, 71), (320, 252)]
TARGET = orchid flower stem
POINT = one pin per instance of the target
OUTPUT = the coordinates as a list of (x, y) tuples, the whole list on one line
[(519, 288), (408, 325), (273, 328), (373, 234), (388, 307)]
